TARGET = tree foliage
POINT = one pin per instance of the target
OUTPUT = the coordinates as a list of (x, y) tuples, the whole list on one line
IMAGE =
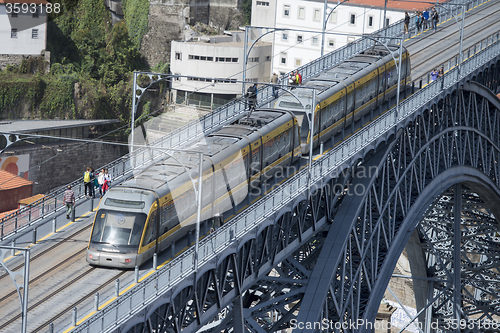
[(92, 61)]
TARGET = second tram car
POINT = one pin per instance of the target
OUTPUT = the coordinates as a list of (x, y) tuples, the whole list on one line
[(346, 92)]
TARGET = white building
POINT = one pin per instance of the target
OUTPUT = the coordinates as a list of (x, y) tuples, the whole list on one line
[(23, 26), (302, 43), (212, 68)]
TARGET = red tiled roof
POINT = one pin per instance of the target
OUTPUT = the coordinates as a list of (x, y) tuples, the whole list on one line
[(30, 200), (38, 2), (4, 214), (10, 181), (408, 5)]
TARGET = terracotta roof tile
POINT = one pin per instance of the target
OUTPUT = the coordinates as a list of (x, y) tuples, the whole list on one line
[(4, 214), (408, 5), (10, 181), (30, 200)]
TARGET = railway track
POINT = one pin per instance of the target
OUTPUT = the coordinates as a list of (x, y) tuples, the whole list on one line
[(484, 20), (48, 250), (79, 301)]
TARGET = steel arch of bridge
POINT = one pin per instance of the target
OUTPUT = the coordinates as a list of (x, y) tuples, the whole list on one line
[(331, 258), (454, 141)]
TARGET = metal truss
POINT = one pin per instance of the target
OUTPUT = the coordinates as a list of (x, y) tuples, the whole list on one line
[(466, 298), (454, 141), (328, 258)]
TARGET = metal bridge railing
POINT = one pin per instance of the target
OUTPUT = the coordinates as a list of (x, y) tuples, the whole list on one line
[(165, 278)]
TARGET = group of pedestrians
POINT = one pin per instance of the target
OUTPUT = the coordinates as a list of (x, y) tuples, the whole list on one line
[(91, 180), (435, 74), (294, 79), (423, 20), (96, 180)]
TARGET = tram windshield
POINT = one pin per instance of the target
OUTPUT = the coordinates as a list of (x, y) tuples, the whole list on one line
[(304, 124), (118, 227)]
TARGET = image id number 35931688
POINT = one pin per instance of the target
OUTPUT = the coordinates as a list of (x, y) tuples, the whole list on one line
[(32, 8)]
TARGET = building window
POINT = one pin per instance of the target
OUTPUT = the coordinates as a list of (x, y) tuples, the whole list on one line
[(254, 59), (333, 18), (284, 36), (316, 15), (286, 11), (370, 21), (177, 77), (283, 58), (34, 33), (298, 62), (387, 22), (178, 56), (315, 41), (13, 33), (263, 3), (299, 38), (302, 13), (331, 43), (352, 19), (223, 59)]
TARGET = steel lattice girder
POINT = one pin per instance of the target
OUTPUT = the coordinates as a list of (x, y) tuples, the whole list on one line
[(285, 254), (455, 140)]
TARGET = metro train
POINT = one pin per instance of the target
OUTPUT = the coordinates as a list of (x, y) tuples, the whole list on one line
[(346, 92), (150, 212)]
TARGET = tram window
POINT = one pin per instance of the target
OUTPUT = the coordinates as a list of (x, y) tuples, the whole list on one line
[(255, 165), (118, 228), (124, 203), (150, 234), (288, 104)]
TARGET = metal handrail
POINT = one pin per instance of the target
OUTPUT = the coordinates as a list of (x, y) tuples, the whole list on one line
[(165, 278)]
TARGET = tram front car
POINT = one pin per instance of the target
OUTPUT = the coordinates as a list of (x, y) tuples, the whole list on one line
[(117, 233)]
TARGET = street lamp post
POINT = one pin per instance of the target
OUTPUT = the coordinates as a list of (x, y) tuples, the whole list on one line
[(197, 189), (246, 51), (400, 58), (26, 273), (311, 142), (325, 20)]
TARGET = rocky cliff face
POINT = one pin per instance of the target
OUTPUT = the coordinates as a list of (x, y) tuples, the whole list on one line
[(172, 20)]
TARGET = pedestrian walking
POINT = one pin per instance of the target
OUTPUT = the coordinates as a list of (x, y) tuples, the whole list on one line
[(417, 21), (435, 18), (100, 181), (434, 75), (298, 78), (425, 16), (274, 81), (87, 182), (407, 22), (252, 97), (69, 200)]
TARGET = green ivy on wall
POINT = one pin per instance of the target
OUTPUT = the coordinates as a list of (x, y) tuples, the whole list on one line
[(136, 17)]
